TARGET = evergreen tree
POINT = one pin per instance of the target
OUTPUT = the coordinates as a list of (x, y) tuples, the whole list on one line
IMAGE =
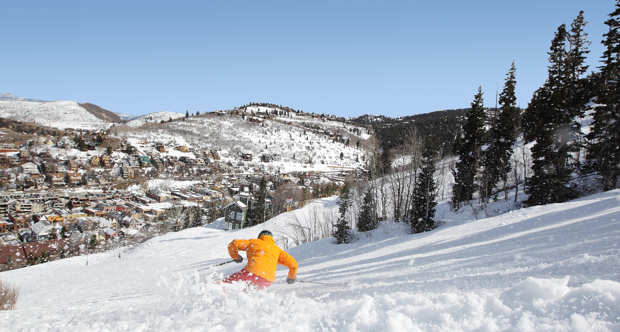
[(578, 48), (44, 257), (385, 162), (578, 90), (187, 221), (550, 119), (31, 259), (53, 235), (92, 243), (502, 135), (212, 211), (367, 219), (342, 229), (548, 181), (604, 137), (64, 232), (469, 151), (423, 205), (198, 214), (261, 212)]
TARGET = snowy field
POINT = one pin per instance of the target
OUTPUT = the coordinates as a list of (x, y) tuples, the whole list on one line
[(547, 268), (57, 114), (155, 117)]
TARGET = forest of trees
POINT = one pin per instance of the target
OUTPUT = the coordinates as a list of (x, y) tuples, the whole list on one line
[(483, 141), (439, 128)]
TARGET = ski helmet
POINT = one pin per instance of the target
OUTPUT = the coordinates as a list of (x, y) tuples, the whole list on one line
[(265, 232)]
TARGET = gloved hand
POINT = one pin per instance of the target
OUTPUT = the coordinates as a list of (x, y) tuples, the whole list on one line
[(238, 260), (290, 281)]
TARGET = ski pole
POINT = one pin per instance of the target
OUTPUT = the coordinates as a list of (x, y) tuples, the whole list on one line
[(322, 283), (218, 264)]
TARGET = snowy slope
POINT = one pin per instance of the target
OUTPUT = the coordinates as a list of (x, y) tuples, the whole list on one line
[(544, 268), (294, 147), (155, 117), (304, 118), (58, 114)]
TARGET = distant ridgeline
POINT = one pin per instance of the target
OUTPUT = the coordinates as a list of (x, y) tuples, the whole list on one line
[(438, 128)]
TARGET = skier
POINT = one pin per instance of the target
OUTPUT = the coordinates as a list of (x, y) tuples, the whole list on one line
[(263, 258)]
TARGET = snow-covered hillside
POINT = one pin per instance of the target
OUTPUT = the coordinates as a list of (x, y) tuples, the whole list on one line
[(155, 117), (544, 268), (324, 122), (285, 141), (57, 114)]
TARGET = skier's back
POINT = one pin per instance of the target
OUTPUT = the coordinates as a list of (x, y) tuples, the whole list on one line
[(263, 258)]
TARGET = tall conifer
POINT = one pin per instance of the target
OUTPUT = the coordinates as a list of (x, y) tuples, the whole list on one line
[(496, 158), (342, 229), (548, 122), (367, 219), (261, 213), (604, 138), (469, 151), (423, 206)]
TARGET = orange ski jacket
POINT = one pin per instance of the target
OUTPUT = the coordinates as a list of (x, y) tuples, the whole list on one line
[(263, 257)]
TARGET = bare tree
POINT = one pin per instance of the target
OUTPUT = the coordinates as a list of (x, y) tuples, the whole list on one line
[(401, 180), (8, 296), (313, 228)]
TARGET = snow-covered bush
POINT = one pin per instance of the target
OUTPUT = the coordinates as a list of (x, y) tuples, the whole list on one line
[(8, 296)]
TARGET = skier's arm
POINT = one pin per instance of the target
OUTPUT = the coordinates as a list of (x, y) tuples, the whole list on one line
[(290, 262), (236, 245)]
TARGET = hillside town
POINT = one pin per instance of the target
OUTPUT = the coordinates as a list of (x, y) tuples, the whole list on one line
[(76, 191)]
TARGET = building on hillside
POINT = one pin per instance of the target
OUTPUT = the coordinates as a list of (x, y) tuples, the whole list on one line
[(235, 215), (30, 168), (213, 154), (158, 196), (95, 161), (5, 226), (107, 161), (72, 165), (34, 180), (23, 207), (42, 229), (144, 161), (127, 172), (6, 207), (74, 179), (56, 179)]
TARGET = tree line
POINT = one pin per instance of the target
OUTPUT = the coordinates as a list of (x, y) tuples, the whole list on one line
[(561, 151), (552, 122)]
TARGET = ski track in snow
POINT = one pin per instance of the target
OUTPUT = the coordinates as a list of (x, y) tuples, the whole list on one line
[(546, 268)]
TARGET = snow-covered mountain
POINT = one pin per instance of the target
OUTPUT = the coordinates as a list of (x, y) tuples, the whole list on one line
[(544, 268), (267, 137), (155, 117), (58, 114)]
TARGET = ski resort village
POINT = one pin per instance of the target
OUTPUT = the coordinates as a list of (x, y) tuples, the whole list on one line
[(75, 191), (339, 166)]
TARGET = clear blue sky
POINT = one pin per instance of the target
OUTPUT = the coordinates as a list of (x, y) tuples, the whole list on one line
[(338, 57)]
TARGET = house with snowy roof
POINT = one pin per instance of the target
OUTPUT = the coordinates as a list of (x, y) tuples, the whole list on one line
[(30, 168), (42, 229), (235, 215)]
